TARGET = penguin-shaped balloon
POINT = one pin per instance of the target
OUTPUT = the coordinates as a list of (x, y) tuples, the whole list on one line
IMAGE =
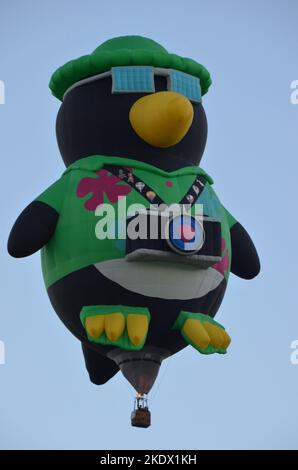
[(131, 130)]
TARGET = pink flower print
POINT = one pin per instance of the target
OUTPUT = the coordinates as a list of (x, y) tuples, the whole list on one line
[(223, 265), (104, 183)]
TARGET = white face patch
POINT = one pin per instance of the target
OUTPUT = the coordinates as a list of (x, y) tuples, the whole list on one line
[(162, 280)]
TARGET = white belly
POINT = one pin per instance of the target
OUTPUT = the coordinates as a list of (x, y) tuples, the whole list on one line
[(163, 280)]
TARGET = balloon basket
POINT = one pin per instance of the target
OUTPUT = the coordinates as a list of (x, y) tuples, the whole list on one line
[(141, 416)]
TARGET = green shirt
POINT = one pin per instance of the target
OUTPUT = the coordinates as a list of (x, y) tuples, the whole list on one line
[(74, 244)]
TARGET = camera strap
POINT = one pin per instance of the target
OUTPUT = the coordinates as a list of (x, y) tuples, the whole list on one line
[(126, 174)]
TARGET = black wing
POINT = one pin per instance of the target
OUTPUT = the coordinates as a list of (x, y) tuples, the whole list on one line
[(32, 230)]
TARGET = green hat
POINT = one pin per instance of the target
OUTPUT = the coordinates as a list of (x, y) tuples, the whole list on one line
[(124, 51)]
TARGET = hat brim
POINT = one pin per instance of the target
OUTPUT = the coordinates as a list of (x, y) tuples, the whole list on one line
[(93, 64)]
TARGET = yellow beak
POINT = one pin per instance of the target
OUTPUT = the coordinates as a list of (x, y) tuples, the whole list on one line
[(161, 119)]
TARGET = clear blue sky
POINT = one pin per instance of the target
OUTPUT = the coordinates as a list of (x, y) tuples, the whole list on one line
[(246, 399)]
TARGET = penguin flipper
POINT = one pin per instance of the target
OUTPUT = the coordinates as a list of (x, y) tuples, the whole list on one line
[(32, 229), (100, 368), (245, 259)]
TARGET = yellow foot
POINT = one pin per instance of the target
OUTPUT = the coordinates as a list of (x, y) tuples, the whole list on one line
[(203, 333), (124, 328)]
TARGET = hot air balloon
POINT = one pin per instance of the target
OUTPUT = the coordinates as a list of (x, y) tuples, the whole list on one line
[(136, 247)]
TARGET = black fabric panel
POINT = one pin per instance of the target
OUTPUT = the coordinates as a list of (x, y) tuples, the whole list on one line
[(89, 287), (93, 121), (100, 368), (245, 259), (32, 229)]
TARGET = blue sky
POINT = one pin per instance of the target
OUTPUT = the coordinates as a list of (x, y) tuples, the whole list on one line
[(246, 399)]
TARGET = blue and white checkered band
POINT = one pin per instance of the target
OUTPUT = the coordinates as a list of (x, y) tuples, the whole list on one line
[(185, 234), (133, 79), (140, 79), (185, 84)]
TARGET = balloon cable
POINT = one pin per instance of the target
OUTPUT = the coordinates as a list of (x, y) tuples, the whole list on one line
[(160, 382)]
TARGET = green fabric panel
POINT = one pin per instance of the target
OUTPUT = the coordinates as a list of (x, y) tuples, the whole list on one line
[(183, 316), (215, 209), (91, 310), (74, 244), (169, 194), (130, 42), (95, 162), (231, 220), (125, 51), (54, 195)]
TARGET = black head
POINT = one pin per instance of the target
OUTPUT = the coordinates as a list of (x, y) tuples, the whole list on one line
[(94, 121)]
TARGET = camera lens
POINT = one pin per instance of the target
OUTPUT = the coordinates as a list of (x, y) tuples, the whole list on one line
[(185, 234)]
